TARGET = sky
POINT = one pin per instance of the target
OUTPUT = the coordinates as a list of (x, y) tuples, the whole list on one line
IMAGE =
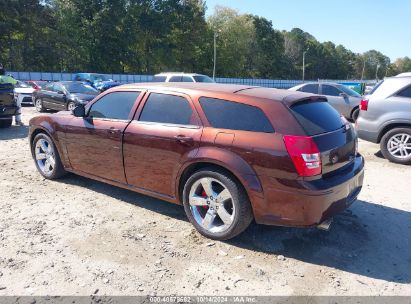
[(359, 25)]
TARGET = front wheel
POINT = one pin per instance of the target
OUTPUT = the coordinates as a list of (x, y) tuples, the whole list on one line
[(216, 204), (46, 157), (396, 145)]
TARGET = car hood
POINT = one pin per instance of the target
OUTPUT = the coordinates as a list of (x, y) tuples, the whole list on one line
[(24, 90), (86, 97)]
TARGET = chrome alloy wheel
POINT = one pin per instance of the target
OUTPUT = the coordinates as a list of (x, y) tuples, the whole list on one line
[(39, 105), (211, 205), (45, 157), (399, 145), (71, 106)]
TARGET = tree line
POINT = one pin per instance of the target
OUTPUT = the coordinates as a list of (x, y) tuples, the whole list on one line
[(151, 36)]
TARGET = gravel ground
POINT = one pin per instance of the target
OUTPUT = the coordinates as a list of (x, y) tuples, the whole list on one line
[(76, 236)]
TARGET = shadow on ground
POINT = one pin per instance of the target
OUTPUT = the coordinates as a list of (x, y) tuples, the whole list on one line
[(14, 132), (368, 239)]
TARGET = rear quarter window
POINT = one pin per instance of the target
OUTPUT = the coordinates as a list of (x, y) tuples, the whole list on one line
[(316, 117), (225, 114)]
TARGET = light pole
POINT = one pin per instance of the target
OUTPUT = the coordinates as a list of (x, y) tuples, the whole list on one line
[(304, 62), (376, 71), (215, 52)]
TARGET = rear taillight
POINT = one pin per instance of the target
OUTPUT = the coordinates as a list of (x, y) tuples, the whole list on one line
[(304, 153), (364, 105)]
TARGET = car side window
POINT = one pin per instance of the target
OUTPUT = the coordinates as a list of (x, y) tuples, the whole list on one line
[(330, 90), (48, 87), (405, 92), (77, 78), (310, 88), (169, 109), (58, 88), (116, 105), (175, 79), (225, 114), (187, 79)]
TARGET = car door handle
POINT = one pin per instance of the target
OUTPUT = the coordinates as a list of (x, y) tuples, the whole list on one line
[(183, 139), (113, 131)]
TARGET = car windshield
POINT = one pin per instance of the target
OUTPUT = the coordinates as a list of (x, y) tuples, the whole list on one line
[(99, 77), (80, 88), (348, 91), (202, 78), (22, 84)]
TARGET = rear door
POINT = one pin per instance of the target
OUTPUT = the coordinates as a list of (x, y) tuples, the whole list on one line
[(335, 99), (335, 137), (165, 132)]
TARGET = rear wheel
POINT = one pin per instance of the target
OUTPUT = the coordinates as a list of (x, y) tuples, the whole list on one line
[(39, 105), (6, 123), (355, 114), (396, 145), (71, 106), (216, 204), (46, 157)]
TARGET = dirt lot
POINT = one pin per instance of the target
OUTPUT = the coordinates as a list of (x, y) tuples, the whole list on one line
[(74, 236)]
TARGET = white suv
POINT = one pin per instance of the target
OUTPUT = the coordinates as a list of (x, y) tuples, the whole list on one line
[(181, 77)]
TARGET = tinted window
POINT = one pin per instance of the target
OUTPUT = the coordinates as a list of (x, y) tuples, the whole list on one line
[(316, 117), (159, 79), (165, 108), (187, 79), (78, 87), (175, 79), (405, 92), (226, 114), (330, 90), (57, 87), (48, 87), (115, 105), (202, 78), (310, 88)]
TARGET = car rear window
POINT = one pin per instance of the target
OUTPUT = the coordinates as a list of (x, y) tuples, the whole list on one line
[(225, 114), (316, 116), (159, 79)]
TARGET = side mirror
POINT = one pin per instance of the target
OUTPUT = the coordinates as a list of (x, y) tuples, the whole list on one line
[(344, 95), (61, 93), (79, 111)]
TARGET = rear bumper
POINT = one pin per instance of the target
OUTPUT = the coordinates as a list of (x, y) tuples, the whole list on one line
[(304, 203), (7, 111), (368, 135)]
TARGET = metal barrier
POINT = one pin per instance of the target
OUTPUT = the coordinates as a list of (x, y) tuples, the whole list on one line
[(125, 78)]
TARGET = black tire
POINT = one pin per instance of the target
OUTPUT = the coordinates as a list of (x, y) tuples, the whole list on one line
[(385, 142), (6, 123), (38, 103), (58, 169), (241, 218), (355, 114)]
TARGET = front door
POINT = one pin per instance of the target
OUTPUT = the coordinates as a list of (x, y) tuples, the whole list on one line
[(165, 132), (94, 143)]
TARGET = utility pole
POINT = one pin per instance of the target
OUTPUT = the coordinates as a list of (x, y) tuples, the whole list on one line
[(304, 62)]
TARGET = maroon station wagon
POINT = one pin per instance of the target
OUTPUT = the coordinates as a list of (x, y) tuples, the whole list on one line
[(229, 154)]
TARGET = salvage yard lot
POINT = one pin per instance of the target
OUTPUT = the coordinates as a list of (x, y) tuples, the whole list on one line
[(75, 236)]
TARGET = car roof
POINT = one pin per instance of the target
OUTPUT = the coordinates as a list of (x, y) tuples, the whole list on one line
[(241, 90)]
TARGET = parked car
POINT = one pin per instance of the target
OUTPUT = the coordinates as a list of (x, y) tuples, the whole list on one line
[(98, 81), (37, 84), (228, 153), (8, 107), (23, 93), (342, 98), (385, 118), (181, 77), (63, 95)]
